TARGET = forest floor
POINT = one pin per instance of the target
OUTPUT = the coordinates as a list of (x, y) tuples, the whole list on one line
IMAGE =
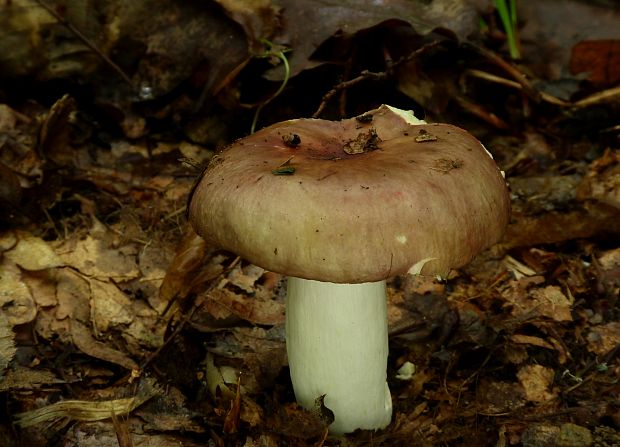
[(119, 326)]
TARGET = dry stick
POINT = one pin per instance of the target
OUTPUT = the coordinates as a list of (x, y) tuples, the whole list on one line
[(346, 84), (366, 74), (580, 375), (610, 94), (513, 71), (513, 84), (481, 112), (608, 357), (86, 41)]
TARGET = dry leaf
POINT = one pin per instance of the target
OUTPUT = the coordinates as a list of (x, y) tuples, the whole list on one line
[(566, 435), (602, 182), (259, 19), (308, 24), (55, 132), (147, 330), (32, 253), (259, 309), (190, 256), (599, 59), (43, 287), (109, 306), (22, 378), (16, 300), (73, 294), (245, 277), (546, 302), (536, 381), (7, 343), (552, 28), (168, 412), (153, 261), (85, 342), (530, 340), (603, 338), (92, 257), (500, 397)]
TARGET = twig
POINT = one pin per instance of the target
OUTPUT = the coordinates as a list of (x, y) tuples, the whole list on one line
[(513, 84), (87, 42), (366, 75), (609, 95), (481, 112), (347, 84), (513, 71)]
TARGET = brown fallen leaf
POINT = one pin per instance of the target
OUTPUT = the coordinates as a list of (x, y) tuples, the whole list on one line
[(565, 435), (309, 23), (43, 286), (500, 397), (92, 256), (259, 19), (30, 252), (169, 412), (552, 28), (603, 338), (259, 309), (19, 139), (54, 138), (7, 343), (263, 352), (610, 270), (85, 342), (292, 420), (602, 181), (231, 421), (23, 378), (16, 299), (245, 277), (183, 269), (109, 306), (73, 295), (548, 301), (598, 59), (531, 340), (536, 381)]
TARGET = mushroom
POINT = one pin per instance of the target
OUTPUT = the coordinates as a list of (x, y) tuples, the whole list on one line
[(339, 207)]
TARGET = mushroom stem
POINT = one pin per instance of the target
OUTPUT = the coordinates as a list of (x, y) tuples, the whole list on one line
[(337, 344)]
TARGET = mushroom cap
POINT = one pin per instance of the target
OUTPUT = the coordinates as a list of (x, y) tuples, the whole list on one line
[(351, 201)]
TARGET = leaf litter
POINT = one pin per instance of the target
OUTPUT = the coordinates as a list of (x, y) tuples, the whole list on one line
[(120, 326)]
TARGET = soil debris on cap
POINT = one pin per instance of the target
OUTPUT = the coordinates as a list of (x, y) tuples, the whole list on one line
[(364, 142), (424, 136)]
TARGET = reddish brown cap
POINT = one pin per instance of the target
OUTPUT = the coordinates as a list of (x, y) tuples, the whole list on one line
[(353, 201)]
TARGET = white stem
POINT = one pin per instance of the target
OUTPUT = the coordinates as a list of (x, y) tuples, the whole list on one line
[(337, 344)]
